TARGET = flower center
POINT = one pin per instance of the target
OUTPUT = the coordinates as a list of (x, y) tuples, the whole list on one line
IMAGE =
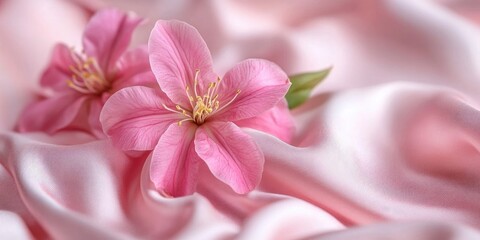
[(204, 105), (87, 76)]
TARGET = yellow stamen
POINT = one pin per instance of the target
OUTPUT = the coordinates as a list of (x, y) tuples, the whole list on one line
[(87, 76), (202, 106)]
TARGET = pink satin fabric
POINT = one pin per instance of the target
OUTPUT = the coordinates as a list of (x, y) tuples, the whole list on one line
[(388, 146)]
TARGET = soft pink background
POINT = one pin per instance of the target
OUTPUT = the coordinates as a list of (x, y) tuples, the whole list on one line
[(390, 141)]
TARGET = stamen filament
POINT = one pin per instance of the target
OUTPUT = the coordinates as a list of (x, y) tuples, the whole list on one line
[(202, 105), (75, 57), (190, 98), (75, 81), (171, 110), (197, 72), (74, 70), (87, 76), (184, 120), (217, 83), (72, 85), (229, 102)]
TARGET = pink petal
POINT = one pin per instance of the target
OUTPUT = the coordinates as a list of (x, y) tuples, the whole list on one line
[(176, 51), (135, 119), (57, 73), (94, 118), (174, 164), (53, 114), (231, 155), (133, 69), (261, 83), (107, 35), (277, 121)]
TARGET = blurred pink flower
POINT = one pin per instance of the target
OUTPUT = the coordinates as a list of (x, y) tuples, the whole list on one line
[(192, 116), (81, 82)]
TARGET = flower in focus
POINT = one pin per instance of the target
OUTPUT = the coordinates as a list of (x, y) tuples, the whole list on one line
[(81, 82), (194, 114)]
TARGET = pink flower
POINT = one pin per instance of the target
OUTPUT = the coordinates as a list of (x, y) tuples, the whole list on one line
[(81, 82), (192, 117)]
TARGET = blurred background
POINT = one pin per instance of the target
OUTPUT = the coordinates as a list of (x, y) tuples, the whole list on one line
[(393, 133), (367, 42)]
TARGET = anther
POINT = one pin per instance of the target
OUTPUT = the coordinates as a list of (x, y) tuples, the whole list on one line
[(87, 76)]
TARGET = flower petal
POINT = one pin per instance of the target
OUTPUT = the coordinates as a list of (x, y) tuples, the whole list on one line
[(135, 119), (231, 155), (94, 118), (57, 73), (133, 69), (261, 83), (53, 114), (107, 35), (174, 164), (277, 121), (176, 51)]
